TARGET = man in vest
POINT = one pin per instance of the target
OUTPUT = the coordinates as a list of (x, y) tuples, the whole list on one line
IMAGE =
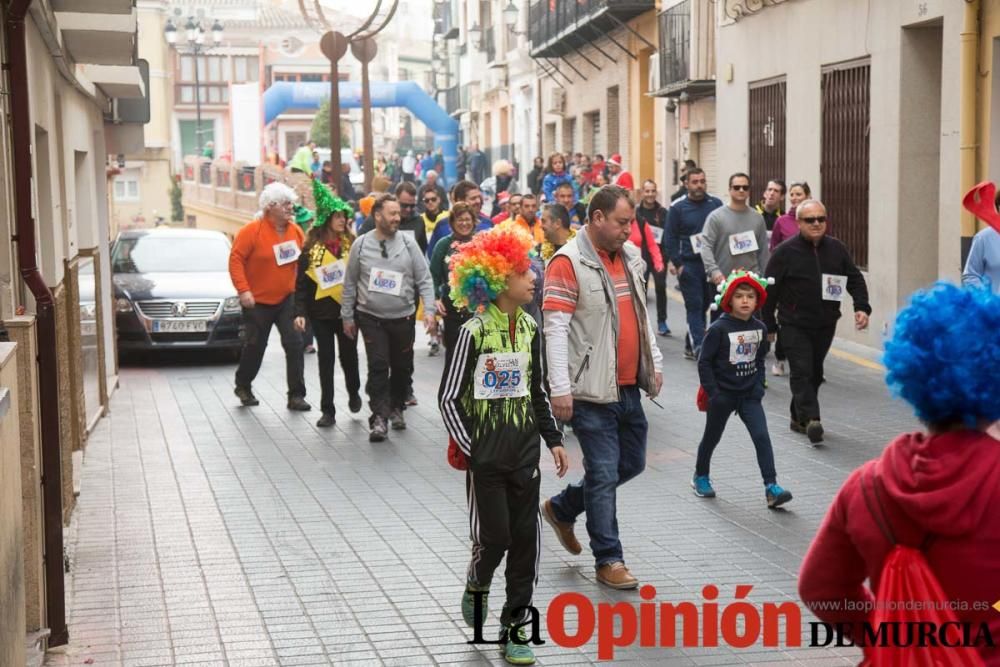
[(594, 294)]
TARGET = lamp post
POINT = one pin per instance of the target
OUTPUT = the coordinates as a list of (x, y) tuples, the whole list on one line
[(196, 42)]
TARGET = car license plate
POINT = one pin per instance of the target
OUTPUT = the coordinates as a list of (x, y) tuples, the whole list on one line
[(180, 326)]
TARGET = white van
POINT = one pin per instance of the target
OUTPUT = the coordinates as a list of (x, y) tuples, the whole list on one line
[(346, 157)]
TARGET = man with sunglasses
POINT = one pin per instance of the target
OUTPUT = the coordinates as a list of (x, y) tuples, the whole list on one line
[(433, 205), (432, 185), (386, 273), (410, 223), (735, 236), (812, 274)]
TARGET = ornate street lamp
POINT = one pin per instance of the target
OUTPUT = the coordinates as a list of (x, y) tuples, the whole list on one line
[(195, 42)]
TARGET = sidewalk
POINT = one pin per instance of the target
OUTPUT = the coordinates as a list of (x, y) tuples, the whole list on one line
[(207, 533)]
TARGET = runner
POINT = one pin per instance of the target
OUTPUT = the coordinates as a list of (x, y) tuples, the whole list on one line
[(812, 274), (318, 293), (385, 273), (463, 225), (496, 410), (649, 214), (262, 266), (594, 294), (735, 236), (682, 245), (731, 370)]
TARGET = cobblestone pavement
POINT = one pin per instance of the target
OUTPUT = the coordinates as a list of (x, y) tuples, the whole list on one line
[(214, 534)]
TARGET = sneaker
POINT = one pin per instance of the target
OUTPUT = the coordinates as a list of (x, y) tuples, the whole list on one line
[(397, 421), (778, 369), (246, 396), (516, 652), (435, 349), (797, 427), (663, 329), (354, 403), (310, 349), (378, 428), (702, 486), (411, 401), (814, 429), (564, 531), (327, 420), (298, 404), (776, 496), (469, 605), (690, 355), (616, 575)]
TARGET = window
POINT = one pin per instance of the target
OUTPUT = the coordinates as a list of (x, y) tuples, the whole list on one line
[(592, 132), (214, 68), (240, 66), (245, 69), (187, 68), (127, 185)]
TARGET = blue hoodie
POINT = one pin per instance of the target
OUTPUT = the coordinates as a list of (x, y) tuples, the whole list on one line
[(732, 357), (552, 181)]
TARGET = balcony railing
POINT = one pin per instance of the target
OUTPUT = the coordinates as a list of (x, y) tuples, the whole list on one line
[(556, 26), (675, 44), (687, 49)]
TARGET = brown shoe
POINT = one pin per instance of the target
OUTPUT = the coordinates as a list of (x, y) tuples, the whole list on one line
[(617, 576), (564, 531)]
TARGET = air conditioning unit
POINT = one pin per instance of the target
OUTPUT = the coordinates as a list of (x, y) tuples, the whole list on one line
[(653, 84), (556, 101)]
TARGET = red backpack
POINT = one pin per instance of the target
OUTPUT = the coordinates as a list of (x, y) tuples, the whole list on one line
[(908, 577)]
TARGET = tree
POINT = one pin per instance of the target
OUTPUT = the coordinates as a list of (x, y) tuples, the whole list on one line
[(176, 197), (320, 130)]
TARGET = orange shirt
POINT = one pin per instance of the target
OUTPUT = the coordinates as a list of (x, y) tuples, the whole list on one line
[(535, 230), (561, 293), (253, 261)]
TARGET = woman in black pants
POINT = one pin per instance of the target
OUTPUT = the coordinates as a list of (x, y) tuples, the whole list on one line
[(318, 289), (463, 224)]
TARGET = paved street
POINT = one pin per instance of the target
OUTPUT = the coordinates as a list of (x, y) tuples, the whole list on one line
[(214, 534)]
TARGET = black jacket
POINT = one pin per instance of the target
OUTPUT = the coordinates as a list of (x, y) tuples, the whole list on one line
[(797, 267), (732, 357), (306, 303)]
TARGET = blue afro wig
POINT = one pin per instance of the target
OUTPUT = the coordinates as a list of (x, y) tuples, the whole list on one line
[(944, 357)]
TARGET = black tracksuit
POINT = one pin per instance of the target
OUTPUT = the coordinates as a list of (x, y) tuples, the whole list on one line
[(807, 278), (657, 217), (731, 370)]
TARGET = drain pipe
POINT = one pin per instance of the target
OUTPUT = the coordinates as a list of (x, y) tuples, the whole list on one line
[(48, 378)]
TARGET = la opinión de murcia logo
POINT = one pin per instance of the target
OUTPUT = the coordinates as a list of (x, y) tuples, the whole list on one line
[(737, 624)]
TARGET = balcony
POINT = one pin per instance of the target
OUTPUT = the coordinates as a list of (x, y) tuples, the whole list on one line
[(452, 99), (559, 27), (687, 50)]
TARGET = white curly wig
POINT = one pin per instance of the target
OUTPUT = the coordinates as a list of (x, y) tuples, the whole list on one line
[(276, 193)]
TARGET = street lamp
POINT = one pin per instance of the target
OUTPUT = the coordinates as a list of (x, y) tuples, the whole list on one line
[(510, 13), (474, 34), (196, 42)]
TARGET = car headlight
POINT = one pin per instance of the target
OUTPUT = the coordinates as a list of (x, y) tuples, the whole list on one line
[(123, 305), (231, 305)]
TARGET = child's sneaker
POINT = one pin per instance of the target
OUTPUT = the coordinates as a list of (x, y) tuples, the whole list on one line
[(776, 496), (469, 605), (702, 486), (778, 368), (519, 652)]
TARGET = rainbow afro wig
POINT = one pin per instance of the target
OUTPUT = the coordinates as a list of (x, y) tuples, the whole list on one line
[(944, 359), (478, 271)]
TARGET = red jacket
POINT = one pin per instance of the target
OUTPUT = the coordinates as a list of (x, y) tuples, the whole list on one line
[(947, 485), (651, 245)]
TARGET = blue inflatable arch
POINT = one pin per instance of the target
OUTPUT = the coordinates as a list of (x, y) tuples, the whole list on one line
[(291, 95)]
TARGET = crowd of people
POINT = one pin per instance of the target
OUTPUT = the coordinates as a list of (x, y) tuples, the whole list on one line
[(539, 300)]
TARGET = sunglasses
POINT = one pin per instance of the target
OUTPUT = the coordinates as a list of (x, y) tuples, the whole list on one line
[(407, 206), (385, 252), (814, 220), (430, 200), (744, 188)]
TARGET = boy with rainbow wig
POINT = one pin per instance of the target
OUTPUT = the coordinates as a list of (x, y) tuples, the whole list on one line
[(496, 409)]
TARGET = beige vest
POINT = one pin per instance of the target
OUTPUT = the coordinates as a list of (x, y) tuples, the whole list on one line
[(593, 330)]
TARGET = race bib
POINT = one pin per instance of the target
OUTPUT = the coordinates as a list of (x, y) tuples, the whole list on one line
[(330, 275), (834, 287), (386, 282), (657, 233), (501, 375), (742, 243), (697, 243), (286, 253), (743, 346)]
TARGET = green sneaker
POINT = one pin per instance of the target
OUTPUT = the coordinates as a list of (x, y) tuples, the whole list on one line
[(519, 652), (469, 605)]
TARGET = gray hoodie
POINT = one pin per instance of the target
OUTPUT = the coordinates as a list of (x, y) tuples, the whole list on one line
[(386, 287)]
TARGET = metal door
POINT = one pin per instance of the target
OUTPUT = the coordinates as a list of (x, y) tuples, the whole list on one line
[(844, 160), (767, 135)]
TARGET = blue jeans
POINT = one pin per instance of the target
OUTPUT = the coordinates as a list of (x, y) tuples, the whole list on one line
[(750, 410), (698, 295), (613, 439)]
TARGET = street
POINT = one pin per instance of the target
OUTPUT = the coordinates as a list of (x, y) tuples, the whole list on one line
[(208, 533)]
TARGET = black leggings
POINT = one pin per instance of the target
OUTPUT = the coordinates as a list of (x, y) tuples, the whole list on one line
[(330, 335)]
